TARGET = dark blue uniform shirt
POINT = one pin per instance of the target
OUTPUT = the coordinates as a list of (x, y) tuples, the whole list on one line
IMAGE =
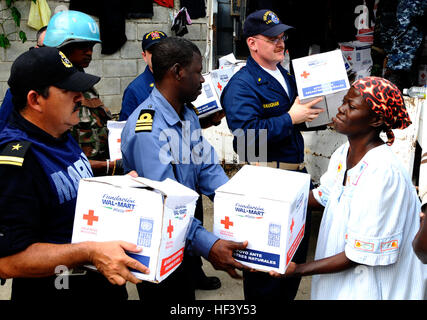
[(136, 92), (5, 109), (37, 199), (253, 99)]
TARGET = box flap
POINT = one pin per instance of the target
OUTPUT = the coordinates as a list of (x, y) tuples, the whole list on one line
[(176, 192), (265, 183), (119, 181)]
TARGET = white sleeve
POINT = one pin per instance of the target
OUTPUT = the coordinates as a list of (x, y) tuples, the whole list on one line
[(379, 206), (330, 177)]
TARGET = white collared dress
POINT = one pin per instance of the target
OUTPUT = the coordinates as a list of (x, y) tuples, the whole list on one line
[(373, 218)]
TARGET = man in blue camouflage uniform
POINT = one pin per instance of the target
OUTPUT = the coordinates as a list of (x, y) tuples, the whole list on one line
[(400, 30)]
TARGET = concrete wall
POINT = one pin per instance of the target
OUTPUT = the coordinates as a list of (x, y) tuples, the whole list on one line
[(116, 70)]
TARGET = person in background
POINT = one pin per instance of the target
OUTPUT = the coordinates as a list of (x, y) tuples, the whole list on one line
[(262, 96), (7, 106), (399, 31), (39, 163), (419, 243), (75, 34), (371, 206), (40, 36), (140, 88), (154, 141)]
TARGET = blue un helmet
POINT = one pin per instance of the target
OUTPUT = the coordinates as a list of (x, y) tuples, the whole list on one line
[(71, 26)]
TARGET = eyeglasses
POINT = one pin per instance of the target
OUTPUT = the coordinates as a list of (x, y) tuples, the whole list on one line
[(275, 41)]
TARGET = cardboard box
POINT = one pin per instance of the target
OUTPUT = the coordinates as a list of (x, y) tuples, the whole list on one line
[(207, 102), (151, 214), (221, 76), (422, 75), (267, 207), (322, 74), (229, 60), (115, 129), (358, 53)]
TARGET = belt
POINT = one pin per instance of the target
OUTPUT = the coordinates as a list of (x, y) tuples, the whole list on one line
[(280, 165)]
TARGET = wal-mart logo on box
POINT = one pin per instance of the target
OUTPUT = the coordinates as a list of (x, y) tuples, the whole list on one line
[(118, 203), (248, 211)]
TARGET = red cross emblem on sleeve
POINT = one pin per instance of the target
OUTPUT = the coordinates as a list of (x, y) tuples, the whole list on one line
[(170, 229), (90, 217), (227, 223)]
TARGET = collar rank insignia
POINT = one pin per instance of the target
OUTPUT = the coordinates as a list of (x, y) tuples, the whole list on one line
[(145, 121), (14, 153)]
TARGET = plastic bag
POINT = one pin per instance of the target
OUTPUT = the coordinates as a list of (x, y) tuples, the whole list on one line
[(39, 14)]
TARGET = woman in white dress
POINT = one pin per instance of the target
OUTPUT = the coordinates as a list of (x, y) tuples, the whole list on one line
[(372, 209)]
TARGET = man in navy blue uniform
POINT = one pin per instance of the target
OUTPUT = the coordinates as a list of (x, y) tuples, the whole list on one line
[(140, 88), (40, 169), (162, 139), (264, 113)]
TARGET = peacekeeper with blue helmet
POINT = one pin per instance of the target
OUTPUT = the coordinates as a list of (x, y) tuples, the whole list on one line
[(76, 33), (162, 139), (40, 168), (264, 113)]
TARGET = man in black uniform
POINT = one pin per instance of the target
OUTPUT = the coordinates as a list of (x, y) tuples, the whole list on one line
[(40, 168)]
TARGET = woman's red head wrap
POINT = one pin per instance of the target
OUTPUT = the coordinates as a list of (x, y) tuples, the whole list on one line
[(386, 100)]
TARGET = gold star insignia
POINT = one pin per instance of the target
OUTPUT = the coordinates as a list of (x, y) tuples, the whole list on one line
[(16, 147)]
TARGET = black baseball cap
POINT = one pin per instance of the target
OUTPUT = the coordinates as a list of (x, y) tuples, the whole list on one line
[(47, 66), (151, 38), (264, 22)]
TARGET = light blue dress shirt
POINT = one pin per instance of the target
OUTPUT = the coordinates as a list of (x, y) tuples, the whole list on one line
[(174, 148)]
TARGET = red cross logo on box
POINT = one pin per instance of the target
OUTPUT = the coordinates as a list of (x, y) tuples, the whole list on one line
[(219, 86), (90, 217), (227, 223), (305, 75), (292, 225), (170, 229)]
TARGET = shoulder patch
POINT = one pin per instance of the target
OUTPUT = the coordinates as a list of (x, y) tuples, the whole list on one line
[(145, 121), (14, 153), (192, 107)]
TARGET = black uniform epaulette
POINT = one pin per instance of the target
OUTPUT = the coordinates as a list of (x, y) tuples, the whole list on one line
[(145, 120), (14, 153)]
